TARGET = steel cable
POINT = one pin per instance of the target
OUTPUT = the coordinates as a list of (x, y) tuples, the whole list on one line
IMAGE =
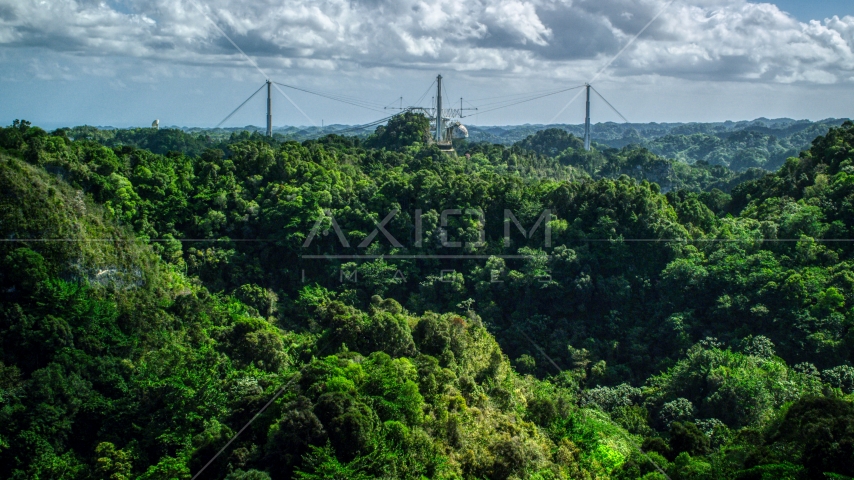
[(239, 107)]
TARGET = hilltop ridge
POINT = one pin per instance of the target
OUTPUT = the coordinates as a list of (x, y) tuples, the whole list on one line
[(759, 143)]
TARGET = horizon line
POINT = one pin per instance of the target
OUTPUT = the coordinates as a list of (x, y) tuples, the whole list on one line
[(306, 127)]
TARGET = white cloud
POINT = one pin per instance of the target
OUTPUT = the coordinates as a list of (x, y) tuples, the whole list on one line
[(694, 39), (739, 40), (520, 18)]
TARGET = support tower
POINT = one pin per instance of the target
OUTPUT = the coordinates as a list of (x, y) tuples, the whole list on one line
[(439, 129), (587, 120), (270, 110)]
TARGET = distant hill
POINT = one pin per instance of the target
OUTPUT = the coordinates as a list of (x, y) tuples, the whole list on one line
[(761, 143)]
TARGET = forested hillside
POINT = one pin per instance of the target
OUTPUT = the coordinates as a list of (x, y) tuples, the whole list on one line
[(760, 143), (661, 320)]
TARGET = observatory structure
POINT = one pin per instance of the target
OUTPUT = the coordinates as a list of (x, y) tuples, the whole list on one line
[(445, 123)]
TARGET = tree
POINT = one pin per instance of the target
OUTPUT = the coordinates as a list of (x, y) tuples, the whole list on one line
[(686, 437), (402, 131), (822, 431)]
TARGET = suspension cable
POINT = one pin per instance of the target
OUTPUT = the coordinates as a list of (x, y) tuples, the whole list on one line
[(335, 95), (609, 104), (424, 94), (389, 105), (239, 107), (354, 128), (526, 97), (331, 97), (526, 100), (512, 95)]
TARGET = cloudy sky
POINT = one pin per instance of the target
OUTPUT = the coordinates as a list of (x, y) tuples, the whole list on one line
[(127, 62)]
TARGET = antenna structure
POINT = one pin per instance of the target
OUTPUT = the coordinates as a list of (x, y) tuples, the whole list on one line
[(443, 118), (444, 131), (441, 128)]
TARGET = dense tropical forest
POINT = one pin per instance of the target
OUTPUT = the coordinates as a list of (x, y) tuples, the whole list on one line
[(761, 143), (635, 316)]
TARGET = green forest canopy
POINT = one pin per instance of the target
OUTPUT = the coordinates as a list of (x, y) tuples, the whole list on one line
[(683, 320)]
